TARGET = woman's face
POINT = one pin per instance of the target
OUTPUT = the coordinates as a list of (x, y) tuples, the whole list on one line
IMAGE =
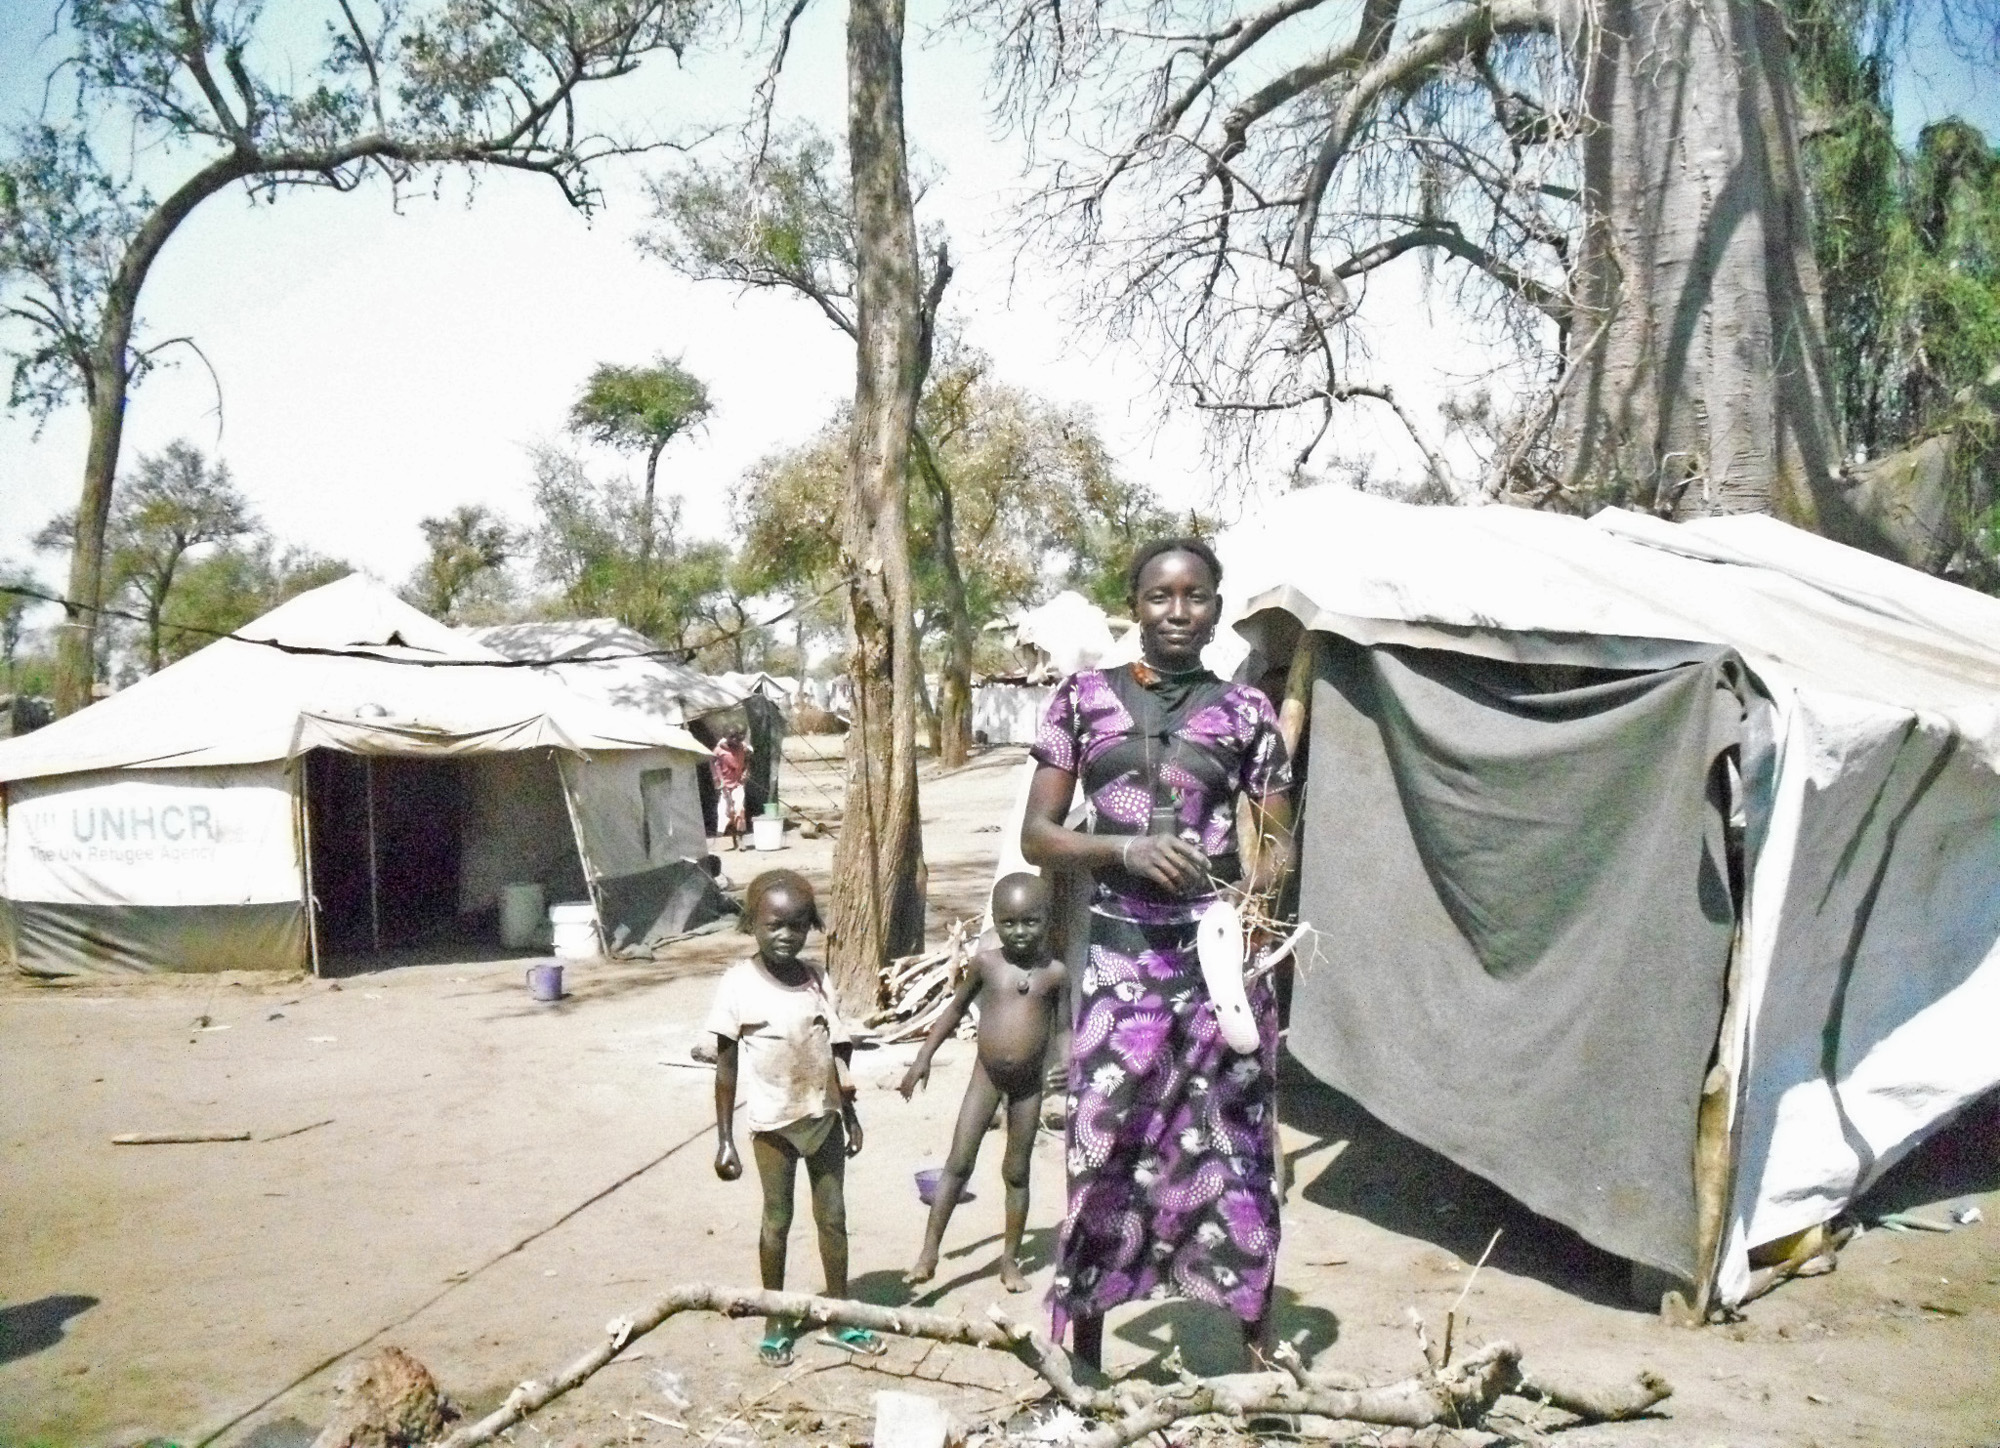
[(1176, 606), (781, 924)]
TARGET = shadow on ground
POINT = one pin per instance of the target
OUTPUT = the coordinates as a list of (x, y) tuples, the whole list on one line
[(1961, 1160), (1209, 1339), (27, 1328), (1386, 1178), (280, 1433), (979, 1260)]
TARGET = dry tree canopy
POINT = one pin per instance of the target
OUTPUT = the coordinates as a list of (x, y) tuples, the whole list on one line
[(1236, 173)]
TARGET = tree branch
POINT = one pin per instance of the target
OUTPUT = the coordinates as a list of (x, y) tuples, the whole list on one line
[(1457, 1396), (1446, 236), (1252, 30), (194, 55), (1371, 39), (766, 93), (1396, 71), (367, 52)]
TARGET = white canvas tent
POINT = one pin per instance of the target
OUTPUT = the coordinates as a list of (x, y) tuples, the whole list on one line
[(357, 754), (616, 665), (1655, 868)]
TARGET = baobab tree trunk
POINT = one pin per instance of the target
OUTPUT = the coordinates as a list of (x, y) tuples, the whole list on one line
[(878, 907), (1699, 380), (76, 640)]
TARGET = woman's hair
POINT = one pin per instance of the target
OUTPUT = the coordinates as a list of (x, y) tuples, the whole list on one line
[(1146, 552), (791, 882)]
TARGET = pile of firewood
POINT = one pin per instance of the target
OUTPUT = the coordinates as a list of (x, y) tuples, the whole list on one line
[(919, 987)]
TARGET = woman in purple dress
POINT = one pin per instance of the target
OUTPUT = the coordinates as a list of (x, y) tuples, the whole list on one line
[(1171, 1152)]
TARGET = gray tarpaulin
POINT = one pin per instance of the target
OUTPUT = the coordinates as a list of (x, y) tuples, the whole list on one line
[(1518, 879), (66, 940)]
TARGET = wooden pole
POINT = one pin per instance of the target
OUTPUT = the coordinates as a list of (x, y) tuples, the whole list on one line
[(374, 868), (302, 794)]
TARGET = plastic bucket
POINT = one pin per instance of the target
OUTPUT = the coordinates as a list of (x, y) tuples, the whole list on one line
[(545, 981), (573, 926), (522, 911), (767, 832), (927, 1185)]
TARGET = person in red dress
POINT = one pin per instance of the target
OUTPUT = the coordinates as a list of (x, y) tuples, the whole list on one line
[(730, 764)]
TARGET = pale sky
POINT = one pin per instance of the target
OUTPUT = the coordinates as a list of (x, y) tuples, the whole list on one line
[(377, 367)]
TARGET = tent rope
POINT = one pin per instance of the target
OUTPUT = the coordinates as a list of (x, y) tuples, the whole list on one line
[(677, 655)]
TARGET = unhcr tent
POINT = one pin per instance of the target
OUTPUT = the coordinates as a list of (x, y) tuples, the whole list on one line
[(614, 664), (343, 750), (1654, 869)]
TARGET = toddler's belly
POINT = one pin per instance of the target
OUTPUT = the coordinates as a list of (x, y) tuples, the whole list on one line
[(1013, 1073)]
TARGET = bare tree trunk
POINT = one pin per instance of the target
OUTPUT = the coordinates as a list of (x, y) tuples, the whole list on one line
[(646, 518), (954, 715), (76, 640), (108, 381), (877, 868), (1701, 379)]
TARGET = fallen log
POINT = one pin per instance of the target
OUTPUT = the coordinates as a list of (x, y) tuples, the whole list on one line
[(1445, 1394), (1609, 1403)]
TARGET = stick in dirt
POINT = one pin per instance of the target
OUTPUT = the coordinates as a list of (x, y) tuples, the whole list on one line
[(176, 1138), (1459, 1396)]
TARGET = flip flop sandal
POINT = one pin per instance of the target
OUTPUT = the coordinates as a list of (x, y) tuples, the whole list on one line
[(775, 1351), (855, 1340), (1219, 947)]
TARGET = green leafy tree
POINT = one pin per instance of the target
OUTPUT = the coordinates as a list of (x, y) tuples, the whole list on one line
[(855, 251), (13, 616), (782, 219), (209, 97), (468, 549), (1908, 247), (175, 502), (641, 409), (582, 545), (781, 509), (1038, 506), (228, 587)]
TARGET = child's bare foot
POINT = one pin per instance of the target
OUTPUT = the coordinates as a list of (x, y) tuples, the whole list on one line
[(925, 1269), (1011, 1276)]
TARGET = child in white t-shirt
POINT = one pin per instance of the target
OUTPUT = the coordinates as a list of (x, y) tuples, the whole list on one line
[(777, 1030)]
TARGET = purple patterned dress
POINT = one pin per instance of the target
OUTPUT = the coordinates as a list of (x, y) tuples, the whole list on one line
[(1170, 1151)]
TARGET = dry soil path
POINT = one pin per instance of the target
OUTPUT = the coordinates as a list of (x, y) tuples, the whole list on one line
[(486, 1182)]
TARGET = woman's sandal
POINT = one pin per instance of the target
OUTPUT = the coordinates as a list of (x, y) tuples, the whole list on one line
[(775, 1351), (855, 1340)]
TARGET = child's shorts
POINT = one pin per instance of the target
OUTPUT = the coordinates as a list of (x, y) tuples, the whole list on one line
[(806, 1138)]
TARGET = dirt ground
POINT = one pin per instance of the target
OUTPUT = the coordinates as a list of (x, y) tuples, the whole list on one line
[(440, 1163)]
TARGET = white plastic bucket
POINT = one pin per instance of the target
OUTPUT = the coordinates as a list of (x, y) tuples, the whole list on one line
[(522, 910), (573, 923), (767, 832)]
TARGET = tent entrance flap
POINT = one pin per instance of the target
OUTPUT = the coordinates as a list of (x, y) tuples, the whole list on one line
[(1518, 879), (639, 828), (385, 848)]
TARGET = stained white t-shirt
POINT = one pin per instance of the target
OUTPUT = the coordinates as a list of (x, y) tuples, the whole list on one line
[(785, 1037)]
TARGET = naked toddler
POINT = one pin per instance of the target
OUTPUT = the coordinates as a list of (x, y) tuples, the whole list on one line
[(1021, 1009)]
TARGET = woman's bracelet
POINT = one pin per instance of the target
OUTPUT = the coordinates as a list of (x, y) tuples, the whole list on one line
[(1125, 852)]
